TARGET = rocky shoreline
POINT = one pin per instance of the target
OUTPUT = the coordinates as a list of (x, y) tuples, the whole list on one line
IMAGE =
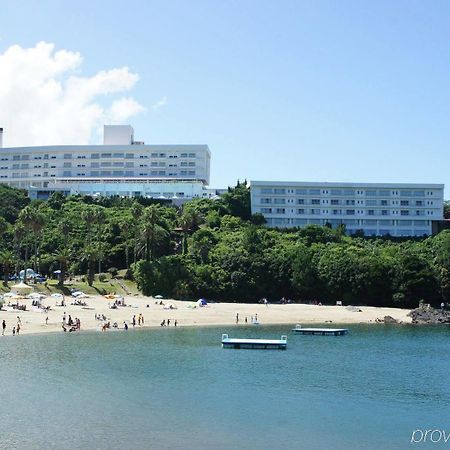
[(425, 315)]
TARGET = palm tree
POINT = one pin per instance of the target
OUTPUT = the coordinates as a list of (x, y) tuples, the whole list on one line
[(63, 256), (34, 220), (90, 255), (152, 231), (7, 261)]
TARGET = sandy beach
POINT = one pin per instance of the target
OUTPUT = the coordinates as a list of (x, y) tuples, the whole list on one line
[(185, 313)]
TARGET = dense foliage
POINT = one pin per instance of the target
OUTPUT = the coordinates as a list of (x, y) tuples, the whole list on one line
[(218, 250)]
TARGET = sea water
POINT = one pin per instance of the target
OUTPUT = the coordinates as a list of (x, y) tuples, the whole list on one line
[(176, 388)]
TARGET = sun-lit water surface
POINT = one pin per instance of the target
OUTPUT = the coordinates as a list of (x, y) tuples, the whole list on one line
[(177, 388)]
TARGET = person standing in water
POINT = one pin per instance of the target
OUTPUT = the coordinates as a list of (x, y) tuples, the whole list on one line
[(3, 327)]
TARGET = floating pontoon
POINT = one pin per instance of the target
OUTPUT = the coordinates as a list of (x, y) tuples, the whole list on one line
[(266, 344), (320, 331)]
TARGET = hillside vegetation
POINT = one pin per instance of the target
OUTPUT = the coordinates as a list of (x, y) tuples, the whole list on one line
[(215, 249)]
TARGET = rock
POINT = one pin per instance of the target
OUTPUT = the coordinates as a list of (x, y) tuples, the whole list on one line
[(390, 319), (429, 315)]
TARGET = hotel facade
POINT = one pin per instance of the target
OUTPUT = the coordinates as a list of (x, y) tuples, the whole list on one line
[(121, 166), (378, 209)]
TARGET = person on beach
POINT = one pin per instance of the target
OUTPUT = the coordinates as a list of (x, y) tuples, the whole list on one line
[(18, 320), (256, 318), (139, 320), (175, 323), (125, 326), (237, 317), (134, 321), (18, 328), (14, 331), (168, 322), (64, 318), (46, 320), (142, 319), (245, 319), (3, 327), (163, 323)]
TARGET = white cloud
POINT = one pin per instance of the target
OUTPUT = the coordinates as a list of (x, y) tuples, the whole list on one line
[(44, 100), (159, 104)]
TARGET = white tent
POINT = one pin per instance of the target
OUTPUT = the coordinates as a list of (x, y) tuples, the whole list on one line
[(21, 288)]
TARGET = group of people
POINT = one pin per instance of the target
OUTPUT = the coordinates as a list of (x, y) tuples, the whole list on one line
[(15, 329), (253, 319), (165, 323), (71, 324), (140, 320)]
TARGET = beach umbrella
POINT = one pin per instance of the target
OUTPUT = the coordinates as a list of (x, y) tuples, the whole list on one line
[(21, 288)]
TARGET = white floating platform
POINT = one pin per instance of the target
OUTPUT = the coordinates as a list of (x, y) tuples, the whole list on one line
[(320, 331), (265, 344)]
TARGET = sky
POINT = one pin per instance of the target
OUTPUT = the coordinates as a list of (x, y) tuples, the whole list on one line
[(289, 90)]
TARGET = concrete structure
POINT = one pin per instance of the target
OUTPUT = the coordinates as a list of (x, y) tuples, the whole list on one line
[(121, 166), (397, 209)]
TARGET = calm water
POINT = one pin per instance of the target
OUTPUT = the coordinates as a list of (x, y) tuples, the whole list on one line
[(177, 388)]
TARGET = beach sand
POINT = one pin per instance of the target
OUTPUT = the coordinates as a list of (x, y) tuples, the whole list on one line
[(186, 314)]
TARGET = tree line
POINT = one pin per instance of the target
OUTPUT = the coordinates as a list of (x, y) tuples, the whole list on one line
[(218, 250)]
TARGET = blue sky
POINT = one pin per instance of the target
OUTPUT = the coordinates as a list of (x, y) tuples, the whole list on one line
[(288, 90)]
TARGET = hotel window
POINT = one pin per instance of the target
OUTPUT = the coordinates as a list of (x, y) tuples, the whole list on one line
[(263, 200), (118, 164), (192, 164), (315, 201), (349, 192), (81, 157), (161, 172), (404, 212), (314, 211), (263, 190), (67, 173), (81, 165), (300, 201), (106, 173), (384, 202), (192, 155), (301, 191), (280, 210), (419, 203), (162, 155), (350, 202), (120, 173), (16, 166), (404, 202), (183, 155), (67, 156), (279, 191), (371, 202), (162, 164), (405, 193), (384, 212), (279, 201), (371, 212), (129, 155), (300, 211), (129, 164), (106, 155), (371, 193), (383, 193), (334, 202), (94, 173), (118, 155), (192, 172), (95, 156), (336, 212), (16, 157), (336, 192), (419, 193), (266, 210), (314, 192), (350, 212)]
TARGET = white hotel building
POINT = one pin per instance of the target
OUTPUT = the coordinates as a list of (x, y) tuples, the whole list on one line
[(396, 209), (121, 166)]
